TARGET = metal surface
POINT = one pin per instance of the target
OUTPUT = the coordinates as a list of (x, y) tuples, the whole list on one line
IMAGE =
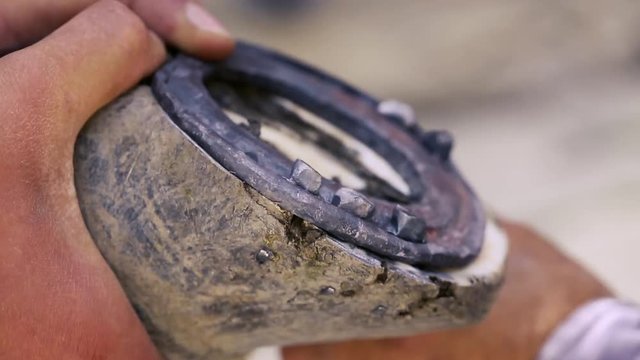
[(441, 223)]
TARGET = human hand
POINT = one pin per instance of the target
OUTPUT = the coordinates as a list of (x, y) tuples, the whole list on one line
[(183, 23), (542, 288), (58, 297)]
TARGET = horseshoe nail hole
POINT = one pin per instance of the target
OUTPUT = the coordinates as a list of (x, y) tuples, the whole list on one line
[(252, 155), (335, 201)]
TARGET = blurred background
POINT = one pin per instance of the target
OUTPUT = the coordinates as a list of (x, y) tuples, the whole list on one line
[(543, 98)]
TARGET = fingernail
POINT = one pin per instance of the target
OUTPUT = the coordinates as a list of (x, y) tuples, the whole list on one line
[(203, 20)]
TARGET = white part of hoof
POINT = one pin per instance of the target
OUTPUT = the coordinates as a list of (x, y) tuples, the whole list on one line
[(266, 353), (490, 262)]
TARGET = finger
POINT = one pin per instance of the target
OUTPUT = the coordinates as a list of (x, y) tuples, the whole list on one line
[(23, 22), (185, 24), (54, 86)]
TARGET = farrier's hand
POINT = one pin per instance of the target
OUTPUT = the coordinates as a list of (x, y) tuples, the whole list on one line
[(58, 297), (183, 23)]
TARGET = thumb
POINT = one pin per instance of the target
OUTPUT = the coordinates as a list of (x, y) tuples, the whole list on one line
[(59, 298)]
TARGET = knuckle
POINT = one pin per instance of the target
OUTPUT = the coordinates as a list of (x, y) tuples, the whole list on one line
[(114, 23), (137, 35), (131, 29), (123, 34)]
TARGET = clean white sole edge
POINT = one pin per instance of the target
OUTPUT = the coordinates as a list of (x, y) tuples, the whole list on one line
[(266, 353)]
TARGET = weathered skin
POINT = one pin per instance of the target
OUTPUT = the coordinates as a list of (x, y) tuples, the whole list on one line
[(215, 269)]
